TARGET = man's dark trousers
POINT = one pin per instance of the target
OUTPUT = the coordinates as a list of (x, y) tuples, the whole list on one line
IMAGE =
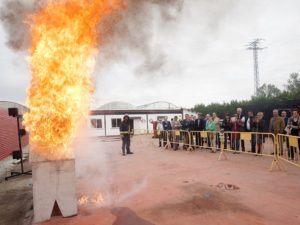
[(126, 143)]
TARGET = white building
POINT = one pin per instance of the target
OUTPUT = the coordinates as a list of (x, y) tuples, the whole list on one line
[(105, 120)]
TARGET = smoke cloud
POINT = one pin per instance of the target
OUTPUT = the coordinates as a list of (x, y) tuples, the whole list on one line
[(132, 32), (128, 32), (130, 29), (94, 172), (13, 15)]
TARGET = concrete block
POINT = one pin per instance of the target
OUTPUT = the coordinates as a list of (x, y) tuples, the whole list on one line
[(53, 181)]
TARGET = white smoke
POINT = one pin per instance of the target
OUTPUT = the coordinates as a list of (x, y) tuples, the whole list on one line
[(95, 173)]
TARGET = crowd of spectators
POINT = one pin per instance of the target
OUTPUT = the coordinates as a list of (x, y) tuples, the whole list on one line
[(232, 126)]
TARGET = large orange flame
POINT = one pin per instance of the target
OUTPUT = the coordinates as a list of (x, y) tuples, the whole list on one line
[(64, 43)]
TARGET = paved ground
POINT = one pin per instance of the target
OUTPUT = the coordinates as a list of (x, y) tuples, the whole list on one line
[(15, 195), (164, 187)]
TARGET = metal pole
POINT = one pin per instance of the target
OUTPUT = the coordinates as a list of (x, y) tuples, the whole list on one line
[(255, 47), (20, 144)]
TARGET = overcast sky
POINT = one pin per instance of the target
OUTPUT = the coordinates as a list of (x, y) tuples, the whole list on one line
[(203, 55)]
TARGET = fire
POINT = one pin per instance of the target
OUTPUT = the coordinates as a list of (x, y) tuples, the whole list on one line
[(83, 200), (62, 55), (96, 199)]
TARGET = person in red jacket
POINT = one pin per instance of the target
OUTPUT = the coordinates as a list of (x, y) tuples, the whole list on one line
[(236, 126), (154, 123)]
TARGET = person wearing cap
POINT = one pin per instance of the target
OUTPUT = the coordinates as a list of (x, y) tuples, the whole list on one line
[(125, 132)]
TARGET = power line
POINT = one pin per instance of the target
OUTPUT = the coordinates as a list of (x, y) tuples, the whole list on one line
[(255, 46)]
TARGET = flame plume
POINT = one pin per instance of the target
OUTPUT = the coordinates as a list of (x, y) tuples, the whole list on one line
[(62, 54)]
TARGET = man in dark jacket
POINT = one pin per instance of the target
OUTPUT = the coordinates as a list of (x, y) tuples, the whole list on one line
[(185, 127), (241, 119), (199, 126), (191, 129), (259, 127), (226, 126), (167, 128), (285, 119), (125, 132), (248, 126)]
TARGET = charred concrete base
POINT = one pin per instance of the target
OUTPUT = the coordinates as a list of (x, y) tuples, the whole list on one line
[(53, 189)]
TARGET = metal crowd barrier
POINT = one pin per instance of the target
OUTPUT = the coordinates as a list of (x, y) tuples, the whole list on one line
[(206, 139), (174, 138), (236, 142), (240, 142), (262, 144), (279, 147), (288, 149)]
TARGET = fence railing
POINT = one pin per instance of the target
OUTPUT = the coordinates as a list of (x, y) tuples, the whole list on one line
[(278, 147), (175, 138), (288, 149)]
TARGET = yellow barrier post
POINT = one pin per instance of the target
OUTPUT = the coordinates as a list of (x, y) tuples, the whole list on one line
[(176, 142), (276, 161), (222, 153), (190, 148), (204, 136), (168, 144)]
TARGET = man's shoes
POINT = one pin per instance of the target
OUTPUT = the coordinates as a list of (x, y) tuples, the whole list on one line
[(124, 154), (129, 152)]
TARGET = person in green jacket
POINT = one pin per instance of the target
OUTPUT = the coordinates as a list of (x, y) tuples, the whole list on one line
[(211, 128)]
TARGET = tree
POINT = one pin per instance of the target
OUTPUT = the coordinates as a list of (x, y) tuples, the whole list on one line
[(268, 91), (293, 86), (269, 97)]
